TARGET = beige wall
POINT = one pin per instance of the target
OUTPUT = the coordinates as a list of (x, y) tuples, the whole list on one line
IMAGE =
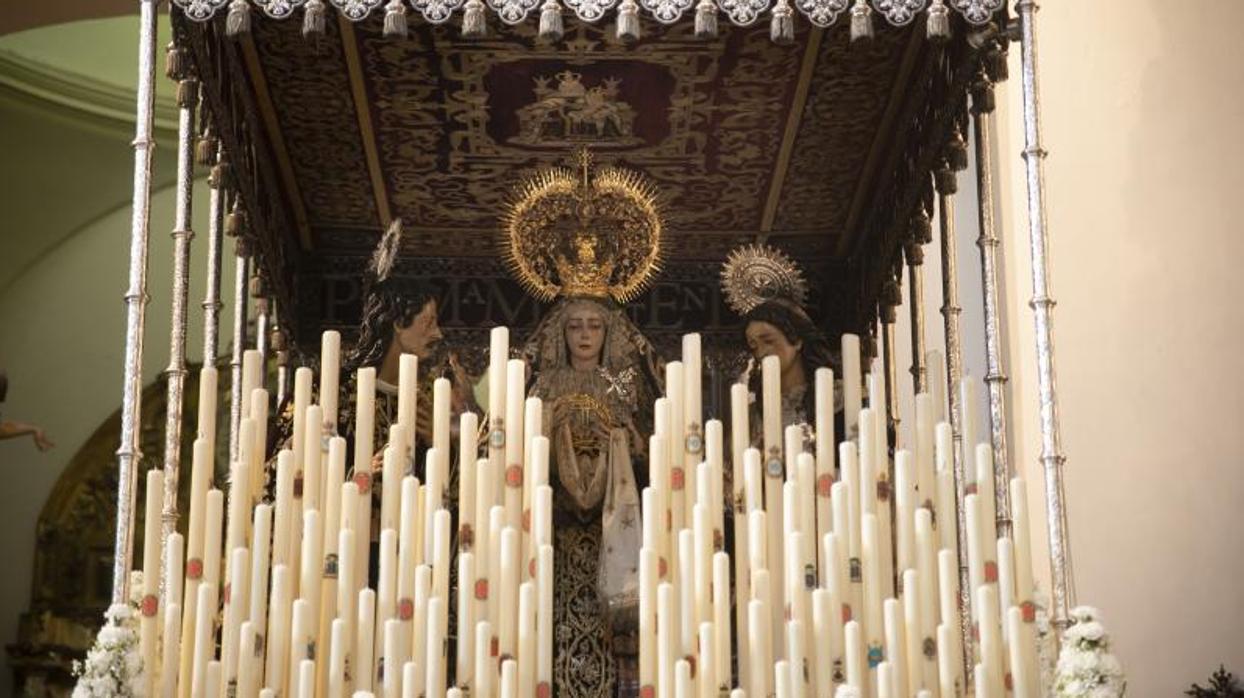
[(1141, 108)]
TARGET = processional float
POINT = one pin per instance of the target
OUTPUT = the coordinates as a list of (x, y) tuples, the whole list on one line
[(836, 584)]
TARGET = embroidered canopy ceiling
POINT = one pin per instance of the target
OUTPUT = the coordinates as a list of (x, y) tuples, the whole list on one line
[(822, 145)]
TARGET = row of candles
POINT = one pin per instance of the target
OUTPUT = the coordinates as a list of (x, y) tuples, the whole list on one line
[(844, 576), (289, 607), (845, 571)]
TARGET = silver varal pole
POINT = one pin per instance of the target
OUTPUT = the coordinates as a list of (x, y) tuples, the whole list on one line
[(175, 374), (947, 185), (1052, 458), (129, 454), (239, 334), (211, 297), (987, 242)]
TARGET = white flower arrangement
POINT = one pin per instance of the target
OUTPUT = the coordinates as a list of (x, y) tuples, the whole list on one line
[(1086, 668), (114, 666)]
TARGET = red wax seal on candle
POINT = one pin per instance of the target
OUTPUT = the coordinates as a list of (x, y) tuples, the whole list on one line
[(194, 568), (1010, 682), (691, 660), (883, 490), (298, 486), (969, 488), (363, 480), (846, 613), (543, 690), (991, 571), (719, 540), (228, 593), (526, 520), (976, 632), (662, 568), (647, 692), (405, 609), (514, 476), (677, 479), (531, 568), (494, 649), (466, 536), (824, 484), (481, 589), (1029, 611), (150, 604)]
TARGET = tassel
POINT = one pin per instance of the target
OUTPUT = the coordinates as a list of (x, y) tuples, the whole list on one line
[(187, 93), (782, 26), (215, 176), (233, 222), (205, 150), (473, 24), (239, 20), (957, 152), (174, 66), (313, 19), (937, 27), (395, 19), (628, 21), (706, 20), (551, 28), (861, 21)]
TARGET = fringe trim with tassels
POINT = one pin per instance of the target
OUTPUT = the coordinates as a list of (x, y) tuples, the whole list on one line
[(628, 21), (313, 19), (174, 63), (706, 20), (187, 93), (395, 19), (239, 20), (551, 27), (937, 27), (861, 21), (474, 25), (782, 24)]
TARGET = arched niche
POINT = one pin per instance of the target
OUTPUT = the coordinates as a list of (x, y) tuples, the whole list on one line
[(72, 581)]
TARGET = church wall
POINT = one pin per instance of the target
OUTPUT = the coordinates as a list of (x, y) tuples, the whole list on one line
[(62, 327), (1140, 108)]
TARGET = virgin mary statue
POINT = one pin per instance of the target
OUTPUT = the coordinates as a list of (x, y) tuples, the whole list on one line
[(591, 243)]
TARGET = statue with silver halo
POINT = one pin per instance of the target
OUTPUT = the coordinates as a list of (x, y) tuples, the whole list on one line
[(592, 240), (766, 288)]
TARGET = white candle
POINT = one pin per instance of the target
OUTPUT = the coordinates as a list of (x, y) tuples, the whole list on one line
[(896, 647), (419, 628), (685, 585), (857, 670), (976, 548), (440, 554), (706, 670), (926, 483), (498, 355), (647, 616), (208, 378), (464, 661), (944, 456), (236, 609), (211, 539), (852, 393), (149, 625), (337, 659), (468, 469), (247, 664), (212, 684), (985, 499), (760, 650), (252, 377), (390, 482), (485, 662), (544, 621), (516, 374), (491, 588), (850, 471), (306, 678), (203, 646), (284, 514), (740, 436), (507, 607), (172, 648), (825, 462), (174, 553), (392, 661), (990, 631), (797, 659), (330, 366), (773, 463), (301, 632), (921, 672), (485, 490), (526, 639), (532, 428), (684, 687), (702, 572), (509, 679), (806, 495), (665, 639), (200, 475), (262, 540), (948, 676), (441, 436), (936, 371), (312, 571), (886, 687), (821, 659), (693, 411), (278, 629), (435, 674), (1023, 666), (303, 379), (870, 552), (365, 671), (1020, 533), (680, 479), (1006, 582), (721, 616), (408, 392), (926, 580), (347, 595), (905, 507), (386, 587)]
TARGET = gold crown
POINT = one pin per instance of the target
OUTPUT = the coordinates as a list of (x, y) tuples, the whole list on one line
[(594, 234)]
